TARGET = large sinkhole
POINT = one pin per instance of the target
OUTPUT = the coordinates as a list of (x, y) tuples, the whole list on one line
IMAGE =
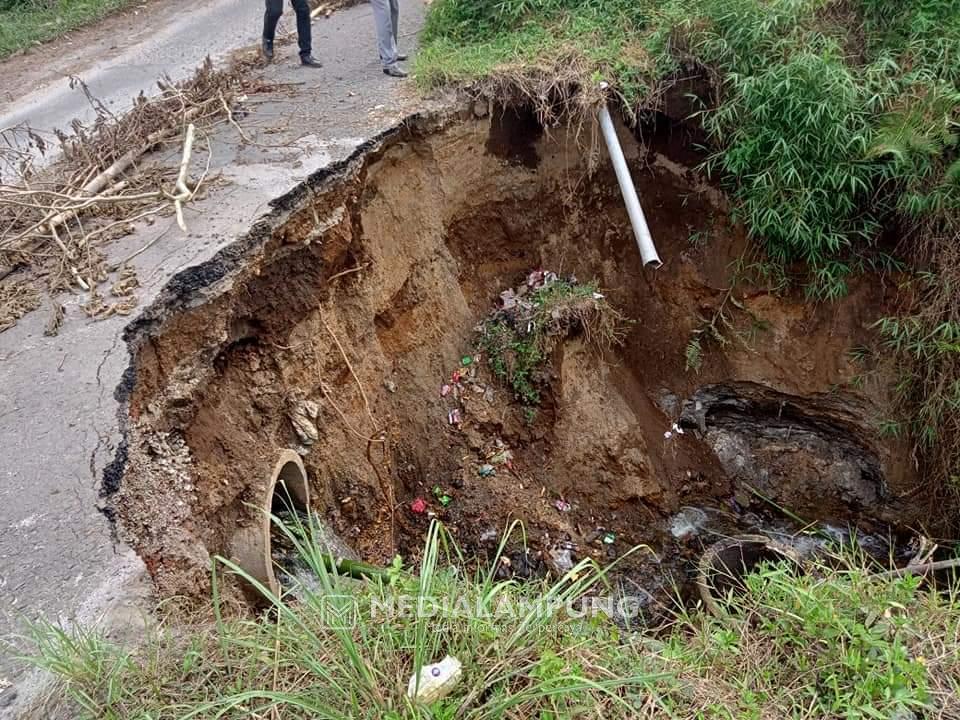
[(331, 329)]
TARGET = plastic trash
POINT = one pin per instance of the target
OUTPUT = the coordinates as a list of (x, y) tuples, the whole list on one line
[(419, 506), (562, 505), (435, 681), (609, 538), (486, 470), (445, 390), (441, 496), (687, 522), (453, 417), (674, 430), (466, 360), (562, 559)]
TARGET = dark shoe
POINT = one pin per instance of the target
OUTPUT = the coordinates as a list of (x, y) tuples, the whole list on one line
[(310, 61), (267, 49), (394, 71)]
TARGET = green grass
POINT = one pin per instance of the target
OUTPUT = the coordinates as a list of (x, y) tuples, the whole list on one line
[(829, 643), (527, 664), (828, 121), (27, 22)]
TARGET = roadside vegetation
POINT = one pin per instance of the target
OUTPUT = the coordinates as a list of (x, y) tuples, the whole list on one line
[(831, 642), (27, 22), (833, 125)]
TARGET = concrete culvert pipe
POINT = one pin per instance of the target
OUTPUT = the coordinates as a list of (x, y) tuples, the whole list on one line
[(250, 547), (726, 563)]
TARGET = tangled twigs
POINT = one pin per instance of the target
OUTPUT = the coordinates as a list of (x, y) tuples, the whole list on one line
[(104, 181)]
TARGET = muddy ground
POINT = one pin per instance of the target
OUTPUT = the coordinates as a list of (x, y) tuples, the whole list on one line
[(361, 295)]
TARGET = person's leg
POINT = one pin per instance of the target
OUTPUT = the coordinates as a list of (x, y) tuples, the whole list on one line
[(386, 42), (395, 20), (304, 31), (271, 17)]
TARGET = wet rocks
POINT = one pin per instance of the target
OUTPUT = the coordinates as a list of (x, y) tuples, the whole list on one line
[(816, 455)]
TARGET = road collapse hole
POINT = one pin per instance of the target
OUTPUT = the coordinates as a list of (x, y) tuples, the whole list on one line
[(359, 306)]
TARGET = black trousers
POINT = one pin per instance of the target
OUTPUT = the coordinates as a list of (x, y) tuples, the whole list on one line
[(272, 16)]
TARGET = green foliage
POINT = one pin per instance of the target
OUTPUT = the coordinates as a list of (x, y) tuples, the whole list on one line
[(513, 359), (929, 383), (579, 42), (518, 346), (855, 635), (716, 328), (520, 659), (26, 22), (832, 642), (825, 643)]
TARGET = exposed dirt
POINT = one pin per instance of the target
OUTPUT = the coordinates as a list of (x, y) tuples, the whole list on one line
[(397, 257)]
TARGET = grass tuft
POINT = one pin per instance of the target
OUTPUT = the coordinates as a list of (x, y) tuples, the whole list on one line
[(28, 22), (833, 124), (830, 642), (518, 343)]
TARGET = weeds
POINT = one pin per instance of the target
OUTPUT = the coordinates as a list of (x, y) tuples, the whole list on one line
[(926, 347), (302, 660), (518, 342), (718, 328), (825, 643), (829, 642), (26, 22)]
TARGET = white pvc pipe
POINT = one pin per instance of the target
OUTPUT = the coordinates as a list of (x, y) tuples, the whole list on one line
[(640, 230)]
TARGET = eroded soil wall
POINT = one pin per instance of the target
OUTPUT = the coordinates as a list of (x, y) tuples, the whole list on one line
[(376, 275)]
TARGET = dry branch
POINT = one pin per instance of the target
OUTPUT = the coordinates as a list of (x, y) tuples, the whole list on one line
[(183, 192), (102, 183)]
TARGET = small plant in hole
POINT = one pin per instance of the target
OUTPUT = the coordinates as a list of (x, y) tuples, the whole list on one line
[(518, 338), (715, 327), (698, 238)]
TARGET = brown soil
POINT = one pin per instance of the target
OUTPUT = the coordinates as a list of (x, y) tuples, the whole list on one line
[(440, 221)]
